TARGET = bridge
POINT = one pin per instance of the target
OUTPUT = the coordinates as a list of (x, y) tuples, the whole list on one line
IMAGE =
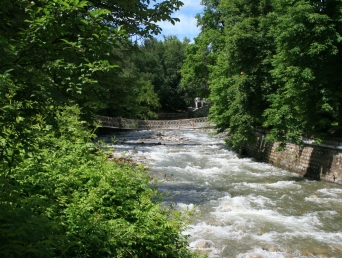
[(136, 124)]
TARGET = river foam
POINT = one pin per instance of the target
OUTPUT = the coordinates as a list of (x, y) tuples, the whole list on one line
[(242, 208)]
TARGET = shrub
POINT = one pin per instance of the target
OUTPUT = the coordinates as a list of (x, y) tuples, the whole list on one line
[(62, 197)]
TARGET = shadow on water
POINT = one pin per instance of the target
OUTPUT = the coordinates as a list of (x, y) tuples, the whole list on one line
[(188, 194), (301, 179)]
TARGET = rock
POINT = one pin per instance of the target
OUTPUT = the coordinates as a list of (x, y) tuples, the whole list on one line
[(313, 196), (272, 249), (336, 249), (203, 244), (255, 256), (322, 256), (306, 252)]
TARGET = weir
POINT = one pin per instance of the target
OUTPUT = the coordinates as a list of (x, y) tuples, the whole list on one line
[(137, 124)]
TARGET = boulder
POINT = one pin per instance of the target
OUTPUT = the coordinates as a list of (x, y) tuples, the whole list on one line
[(255, 256), (313, 196), (204, 244)]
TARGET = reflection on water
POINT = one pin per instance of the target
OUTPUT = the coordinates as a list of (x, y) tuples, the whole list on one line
[(244, 208)]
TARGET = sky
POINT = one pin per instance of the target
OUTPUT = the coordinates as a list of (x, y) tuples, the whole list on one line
[(187, 27)]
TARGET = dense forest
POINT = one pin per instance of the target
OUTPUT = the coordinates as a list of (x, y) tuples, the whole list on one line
[(274, 64), (271, 64)]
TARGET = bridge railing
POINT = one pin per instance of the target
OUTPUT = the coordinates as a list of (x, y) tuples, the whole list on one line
[(124, 123)]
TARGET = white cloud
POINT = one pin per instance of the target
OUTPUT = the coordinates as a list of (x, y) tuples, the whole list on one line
[(187, 27)]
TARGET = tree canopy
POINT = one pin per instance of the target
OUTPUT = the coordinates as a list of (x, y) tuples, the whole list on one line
[(306, 67), (274, 64), (73, 50), (161, 62), (202, 55)]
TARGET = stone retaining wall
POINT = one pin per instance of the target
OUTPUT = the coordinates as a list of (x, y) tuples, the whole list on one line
[(314, 161)]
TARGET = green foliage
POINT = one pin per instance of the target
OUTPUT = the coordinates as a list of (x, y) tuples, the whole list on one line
[(160, 62), (76, 50), (63, 198), (306, 68), (269, 63), (239, 82), (201, 56)]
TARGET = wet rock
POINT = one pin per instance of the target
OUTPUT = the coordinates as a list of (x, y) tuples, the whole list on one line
[(203, 244), (306, 252), (336, 249), (313, 196), (255, 256), (322, 256), (272, 249)]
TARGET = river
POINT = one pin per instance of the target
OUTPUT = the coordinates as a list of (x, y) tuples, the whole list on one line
[(243, 208)]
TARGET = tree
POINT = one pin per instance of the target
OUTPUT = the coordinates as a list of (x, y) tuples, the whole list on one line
[(240, 82), (201, 56), (160, 62), (307, 69), (65, 50), (277, 65)]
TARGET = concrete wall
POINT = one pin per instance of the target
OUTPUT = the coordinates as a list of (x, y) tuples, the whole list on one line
[(310, 160)]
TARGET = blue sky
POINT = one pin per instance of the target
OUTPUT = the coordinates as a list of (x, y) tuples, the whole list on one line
[(187, 27)]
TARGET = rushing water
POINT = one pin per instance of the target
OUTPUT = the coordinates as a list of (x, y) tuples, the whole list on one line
[(243, 208)]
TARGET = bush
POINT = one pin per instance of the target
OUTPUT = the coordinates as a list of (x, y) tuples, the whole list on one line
[(61, 197)]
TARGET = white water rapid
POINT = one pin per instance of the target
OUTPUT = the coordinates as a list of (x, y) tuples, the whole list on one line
[(243, 208)]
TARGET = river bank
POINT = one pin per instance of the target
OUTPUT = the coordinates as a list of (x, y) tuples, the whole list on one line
[(317, 161)]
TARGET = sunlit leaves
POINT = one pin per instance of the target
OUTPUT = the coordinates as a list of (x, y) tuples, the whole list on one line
[(62, 197), (279, 67), (304, 68), (239, 82)]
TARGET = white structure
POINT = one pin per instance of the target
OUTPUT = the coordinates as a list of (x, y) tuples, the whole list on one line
[(203, 102), (197, 100)]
